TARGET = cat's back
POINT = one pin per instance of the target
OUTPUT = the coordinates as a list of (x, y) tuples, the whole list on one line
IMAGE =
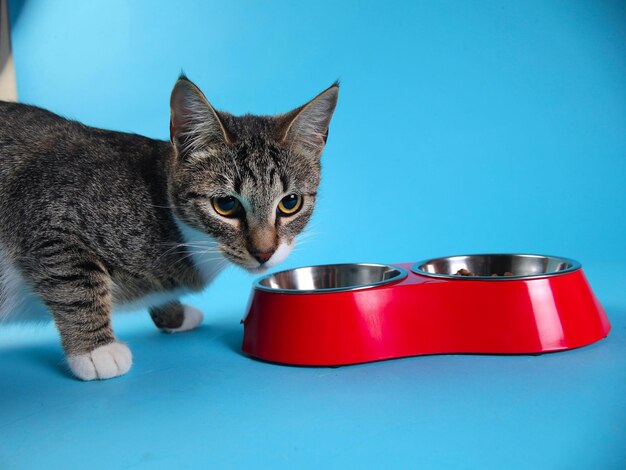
[(45, 149), (54, 169), (29, 132)]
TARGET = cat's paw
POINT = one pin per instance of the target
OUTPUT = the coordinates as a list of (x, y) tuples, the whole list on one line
[(193, 318), (105, 362)]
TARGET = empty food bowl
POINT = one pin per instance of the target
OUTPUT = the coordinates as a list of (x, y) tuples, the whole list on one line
[(351, 313), (331, 278)]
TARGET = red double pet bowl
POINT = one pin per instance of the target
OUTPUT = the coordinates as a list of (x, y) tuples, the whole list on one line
[(352, 313)]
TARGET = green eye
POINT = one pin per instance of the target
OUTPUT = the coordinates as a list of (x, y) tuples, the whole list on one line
[(227, 206), (290, 204)]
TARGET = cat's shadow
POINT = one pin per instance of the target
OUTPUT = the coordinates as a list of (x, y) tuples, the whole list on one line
[(46, 357), (40, 357)]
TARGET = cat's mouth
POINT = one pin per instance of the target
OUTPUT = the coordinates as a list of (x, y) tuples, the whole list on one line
[(244, 261)]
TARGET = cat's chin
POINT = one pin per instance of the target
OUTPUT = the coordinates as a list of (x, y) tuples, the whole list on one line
[(258, 270)]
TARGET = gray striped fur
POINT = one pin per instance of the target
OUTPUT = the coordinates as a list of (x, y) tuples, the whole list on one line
[(92, 220)]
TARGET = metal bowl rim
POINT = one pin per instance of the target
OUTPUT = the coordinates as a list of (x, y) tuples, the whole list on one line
[(402, 274), (575, 266)]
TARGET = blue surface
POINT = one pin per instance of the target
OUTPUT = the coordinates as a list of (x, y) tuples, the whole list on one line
[(461, 127)]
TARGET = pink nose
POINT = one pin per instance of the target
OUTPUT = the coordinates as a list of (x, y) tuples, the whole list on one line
[(262, 257)]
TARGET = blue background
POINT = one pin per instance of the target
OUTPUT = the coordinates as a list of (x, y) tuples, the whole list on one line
[(461, 127)]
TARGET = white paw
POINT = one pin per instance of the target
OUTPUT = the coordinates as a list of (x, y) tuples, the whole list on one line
[(193, 318), (104, 362)]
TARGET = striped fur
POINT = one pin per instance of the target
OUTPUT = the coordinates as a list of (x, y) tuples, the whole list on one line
[(94, 220)]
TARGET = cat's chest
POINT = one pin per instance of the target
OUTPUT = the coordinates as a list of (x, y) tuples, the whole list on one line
[(185, 268), (202, 251)]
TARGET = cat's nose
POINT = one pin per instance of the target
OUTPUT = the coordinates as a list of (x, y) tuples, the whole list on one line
[(262, 256)]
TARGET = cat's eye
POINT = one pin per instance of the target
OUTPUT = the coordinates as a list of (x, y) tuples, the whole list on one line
[(290, 204), (227, 206)]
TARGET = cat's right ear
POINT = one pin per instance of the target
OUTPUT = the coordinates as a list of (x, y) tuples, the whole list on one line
[(194, 123), (305, 129)]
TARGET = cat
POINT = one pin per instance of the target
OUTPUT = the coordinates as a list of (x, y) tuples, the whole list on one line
[(93, 220)]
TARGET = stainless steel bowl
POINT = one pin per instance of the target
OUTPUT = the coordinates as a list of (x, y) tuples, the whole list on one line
[(330, 278), (521, 266)]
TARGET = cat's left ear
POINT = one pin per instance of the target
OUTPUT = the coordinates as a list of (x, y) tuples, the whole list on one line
[(194, 122), (305, 129)]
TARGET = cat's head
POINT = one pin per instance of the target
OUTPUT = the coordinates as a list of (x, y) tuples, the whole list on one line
[(249, 182)]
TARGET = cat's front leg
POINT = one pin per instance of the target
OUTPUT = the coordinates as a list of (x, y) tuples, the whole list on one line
[(174, 317), (77, 289)]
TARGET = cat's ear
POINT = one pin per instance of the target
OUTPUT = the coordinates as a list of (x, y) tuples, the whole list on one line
[(194, 123), (305, 129)]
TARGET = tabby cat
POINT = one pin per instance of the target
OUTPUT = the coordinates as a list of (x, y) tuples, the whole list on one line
[(94, 220)]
